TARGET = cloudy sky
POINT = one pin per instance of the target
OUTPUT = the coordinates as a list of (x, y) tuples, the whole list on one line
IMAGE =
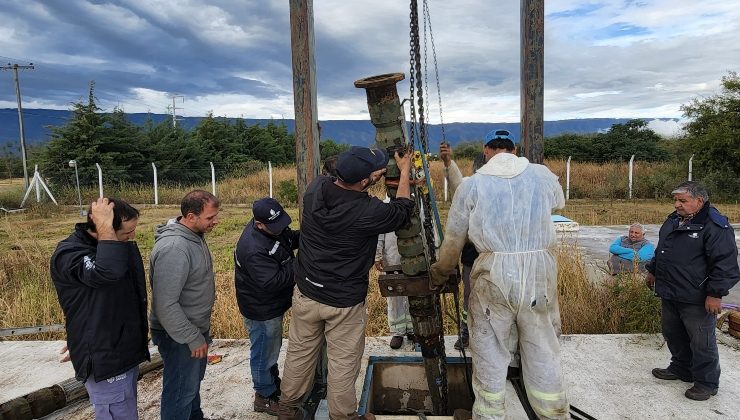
[(609, 58)]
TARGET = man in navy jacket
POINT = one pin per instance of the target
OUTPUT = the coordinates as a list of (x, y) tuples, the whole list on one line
[(264, 286), (99, 278), (695, 265)]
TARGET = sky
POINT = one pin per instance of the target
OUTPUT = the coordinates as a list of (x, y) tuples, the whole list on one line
[(603, 59)]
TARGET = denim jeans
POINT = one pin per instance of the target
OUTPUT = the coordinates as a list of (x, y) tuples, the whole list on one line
[(265, 338), (181, 380), (688, 330)]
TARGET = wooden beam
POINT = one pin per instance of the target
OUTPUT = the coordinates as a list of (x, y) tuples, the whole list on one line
[(304, 94), (532, 33)]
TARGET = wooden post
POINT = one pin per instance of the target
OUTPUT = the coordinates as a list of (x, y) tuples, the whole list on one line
[(304, 94), (532, 33)]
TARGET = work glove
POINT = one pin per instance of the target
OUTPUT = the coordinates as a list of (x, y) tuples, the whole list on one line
[(438, 275)]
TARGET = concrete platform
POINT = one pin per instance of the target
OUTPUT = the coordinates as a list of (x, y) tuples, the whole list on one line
[(608, 376)]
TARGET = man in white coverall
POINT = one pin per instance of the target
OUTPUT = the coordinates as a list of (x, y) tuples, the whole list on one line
[(504, 210)]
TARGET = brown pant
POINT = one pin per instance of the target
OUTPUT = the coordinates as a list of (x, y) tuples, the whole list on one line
[(344, 330)]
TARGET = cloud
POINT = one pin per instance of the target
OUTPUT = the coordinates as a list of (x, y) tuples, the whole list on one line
[(602, 58)]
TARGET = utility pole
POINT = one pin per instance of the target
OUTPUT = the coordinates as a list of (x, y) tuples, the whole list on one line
[(304, 94), (15, 68), (175, 108), (532, 32)]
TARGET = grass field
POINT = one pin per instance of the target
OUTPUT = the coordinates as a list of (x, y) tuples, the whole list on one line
[(27, 239)]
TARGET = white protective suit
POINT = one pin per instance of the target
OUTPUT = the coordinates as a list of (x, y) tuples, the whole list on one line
[(504, 210), (399, 319)]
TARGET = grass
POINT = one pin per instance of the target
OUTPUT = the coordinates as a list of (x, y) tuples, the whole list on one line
[(27, 296)]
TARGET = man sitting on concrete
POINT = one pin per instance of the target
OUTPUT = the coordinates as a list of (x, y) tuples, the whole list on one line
[(630, 252)]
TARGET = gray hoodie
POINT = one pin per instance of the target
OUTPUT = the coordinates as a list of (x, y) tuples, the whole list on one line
[(183, 285)]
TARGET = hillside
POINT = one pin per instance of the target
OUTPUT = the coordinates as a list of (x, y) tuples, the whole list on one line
[(357, 132)]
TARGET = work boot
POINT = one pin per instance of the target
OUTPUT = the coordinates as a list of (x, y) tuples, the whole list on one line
[(269, 405), (290, 413), (396, 342), (699, 394), (667, 375), (462, 414), (461, 342)]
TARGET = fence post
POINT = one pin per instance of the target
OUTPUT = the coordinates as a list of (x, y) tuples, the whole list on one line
[(632, 164), (100, 179), (567, 179), (156, 190), (691, 166), (213, 178), (446, 188), (269, 175)]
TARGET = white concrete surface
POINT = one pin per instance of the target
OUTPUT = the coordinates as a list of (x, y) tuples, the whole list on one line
[(607, 376)]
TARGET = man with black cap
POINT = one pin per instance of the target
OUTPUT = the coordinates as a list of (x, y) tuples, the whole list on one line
[(264, 284), (339, 232)]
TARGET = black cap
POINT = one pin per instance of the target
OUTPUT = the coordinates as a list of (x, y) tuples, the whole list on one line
[(268, 211), (358, 163)]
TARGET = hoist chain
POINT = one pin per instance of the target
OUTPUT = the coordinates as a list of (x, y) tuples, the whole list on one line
[(428, 19)]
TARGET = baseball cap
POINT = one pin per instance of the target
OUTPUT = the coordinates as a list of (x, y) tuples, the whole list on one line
[(358, 163), (497, 134), (268, 211)]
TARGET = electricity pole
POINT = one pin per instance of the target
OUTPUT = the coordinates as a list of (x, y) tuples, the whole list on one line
[(175, 108), (15, 68)]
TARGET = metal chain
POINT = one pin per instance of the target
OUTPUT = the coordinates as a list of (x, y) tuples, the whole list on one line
[(443, 357), (428, 18)]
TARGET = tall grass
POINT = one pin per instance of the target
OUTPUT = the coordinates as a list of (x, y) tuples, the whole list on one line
[(589, 304)]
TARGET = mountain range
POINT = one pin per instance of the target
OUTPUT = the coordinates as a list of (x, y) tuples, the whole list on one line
[(36, 123)]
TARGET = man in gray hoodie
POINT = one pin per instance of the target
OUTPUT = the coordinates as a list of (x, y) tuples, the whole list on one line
[(183, 294)]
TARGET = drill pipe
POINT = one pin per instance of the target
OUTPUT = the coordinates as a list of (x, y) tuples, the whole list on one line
[(386, 114)]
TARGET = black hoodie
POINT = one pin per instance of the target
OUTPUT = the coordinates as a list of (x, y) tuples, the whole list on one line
[(339, 233)]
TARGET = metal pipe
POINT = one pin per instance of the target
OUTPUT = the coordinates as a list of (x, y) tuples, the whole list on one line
[(532, 74), (691, 166)]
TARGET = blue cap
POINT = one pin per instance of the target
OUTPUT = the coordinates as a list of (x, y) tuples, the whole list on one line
[(497, 134), (268, 211), (358, 163)]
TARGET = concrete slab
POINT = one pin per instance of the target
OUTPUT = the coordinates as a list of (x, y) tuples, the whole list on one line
[(594, 241), (608, 376)]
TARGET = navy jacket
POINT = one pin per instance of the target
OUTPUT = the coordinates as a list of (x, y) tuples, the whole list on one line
[(339, 234), (264, 272), (102, 291), (696, 260)]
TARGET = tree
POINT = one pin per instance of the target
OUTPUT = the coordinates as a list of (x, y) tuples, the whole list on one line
[(329, 148), (713, 136)]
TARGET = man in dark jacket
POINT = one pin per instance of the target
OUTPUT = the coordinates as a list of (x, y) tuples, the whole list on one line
[(339, 234), (264, 286), (695, 265), (99, 278)]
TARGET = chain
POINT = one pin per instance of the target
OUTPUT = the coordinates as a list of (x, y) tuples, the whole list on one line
[(428, 18), (442, 356), (413, 43)]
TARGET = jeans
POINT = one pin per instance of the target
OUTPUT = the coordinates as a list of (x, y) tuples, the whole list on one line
[(688, 330), (265, 338), (181, 380)]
